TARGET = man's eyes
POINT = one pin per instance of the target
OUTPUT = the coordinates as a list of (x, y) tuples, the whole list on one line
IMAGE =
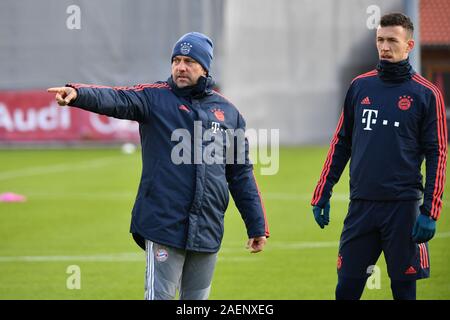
[(389, 40), (187, 61)]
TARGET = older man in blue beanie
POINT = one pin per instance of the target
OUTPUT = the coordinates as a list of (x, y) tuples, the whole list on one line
[(178, 214)]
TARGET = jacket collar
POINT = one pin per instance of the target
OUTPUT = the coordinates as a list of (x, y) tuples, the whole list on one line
[(203, 88), (395, 71)]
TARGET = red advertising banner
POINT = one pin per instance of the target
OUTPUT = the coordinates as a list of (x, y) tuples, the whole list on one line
[(27, 116)]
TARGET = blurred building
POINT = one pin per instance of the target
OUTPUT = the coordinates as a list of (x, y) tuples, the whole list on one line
[(435, 40), (286, 64)]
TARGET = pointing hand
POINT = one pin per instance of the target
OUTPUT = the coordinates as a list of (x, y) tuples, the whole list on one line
[(64, 95)]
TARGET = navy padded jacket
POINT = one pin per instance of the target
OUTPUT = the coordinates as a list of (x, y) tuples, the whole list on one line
[(181, 205)]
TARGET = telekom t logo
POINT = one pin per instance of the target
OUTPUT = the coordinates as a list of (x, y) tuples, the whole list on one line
[(215, 126), (370, 119)]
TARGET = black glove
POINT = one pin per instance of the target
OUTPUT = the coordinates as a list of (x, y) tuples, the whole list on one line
[(424, 229), (322, 215)]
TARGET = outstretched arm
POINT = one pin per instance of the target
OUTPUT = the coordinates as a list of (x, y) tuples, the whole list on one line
[(119, 102)]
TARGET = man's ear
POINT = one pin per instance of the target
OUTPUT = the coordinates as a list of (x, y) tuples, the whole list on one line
[(411, 44)]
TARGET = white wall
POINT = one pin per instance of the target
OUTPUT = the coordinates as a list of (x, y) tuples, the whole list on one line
[(289, 63)]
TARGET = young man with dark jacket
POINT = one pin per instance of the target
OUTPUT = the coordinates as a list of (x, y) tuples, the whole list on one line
[(391, 121)]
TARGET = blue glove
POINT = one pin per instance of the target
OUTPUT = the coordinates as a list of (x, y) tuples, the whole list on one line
[(322, 218), (424, 229)]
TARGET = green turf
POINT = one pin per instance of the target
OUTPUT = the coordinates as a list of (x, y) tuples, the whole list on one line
[(78, 213)]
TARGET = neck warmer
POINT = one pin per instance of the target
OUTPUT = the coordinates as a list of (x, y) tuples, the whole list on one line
[(202, 88), (395, 71)]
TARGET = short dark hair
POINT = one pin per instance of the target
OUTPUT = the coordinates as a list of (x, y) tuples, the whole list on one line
[(397, 19)]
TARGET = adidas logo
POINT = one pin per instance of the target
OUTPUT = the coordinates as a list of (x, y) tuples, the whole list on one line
[(411, 270), (366, 100)]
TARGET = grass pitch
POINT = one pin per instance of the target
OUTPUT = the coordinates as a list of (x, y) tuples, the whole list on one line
[(78, 213)]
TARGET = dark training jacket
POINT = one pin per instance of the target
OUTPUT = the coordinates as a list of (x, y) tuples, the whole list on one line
[(388, 128), (181, 205)]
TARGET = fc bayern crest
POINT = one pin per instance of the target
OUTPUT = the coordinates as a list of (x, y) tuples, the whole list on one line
[(219, 114), (404, 102), (161, 255), (186, 48)]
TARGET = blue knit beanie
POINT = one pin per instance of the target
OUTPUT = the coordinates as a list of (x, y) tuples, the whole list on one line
[(197, 46)]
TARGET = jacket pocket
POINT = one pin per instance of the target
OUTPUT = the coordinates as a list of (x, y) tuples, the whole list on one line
[(151, 182), (221, 194)]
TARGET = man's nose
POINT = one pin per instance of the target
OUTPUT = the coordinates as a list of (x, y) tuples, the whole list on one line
[(384, 46), (181, 66)]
